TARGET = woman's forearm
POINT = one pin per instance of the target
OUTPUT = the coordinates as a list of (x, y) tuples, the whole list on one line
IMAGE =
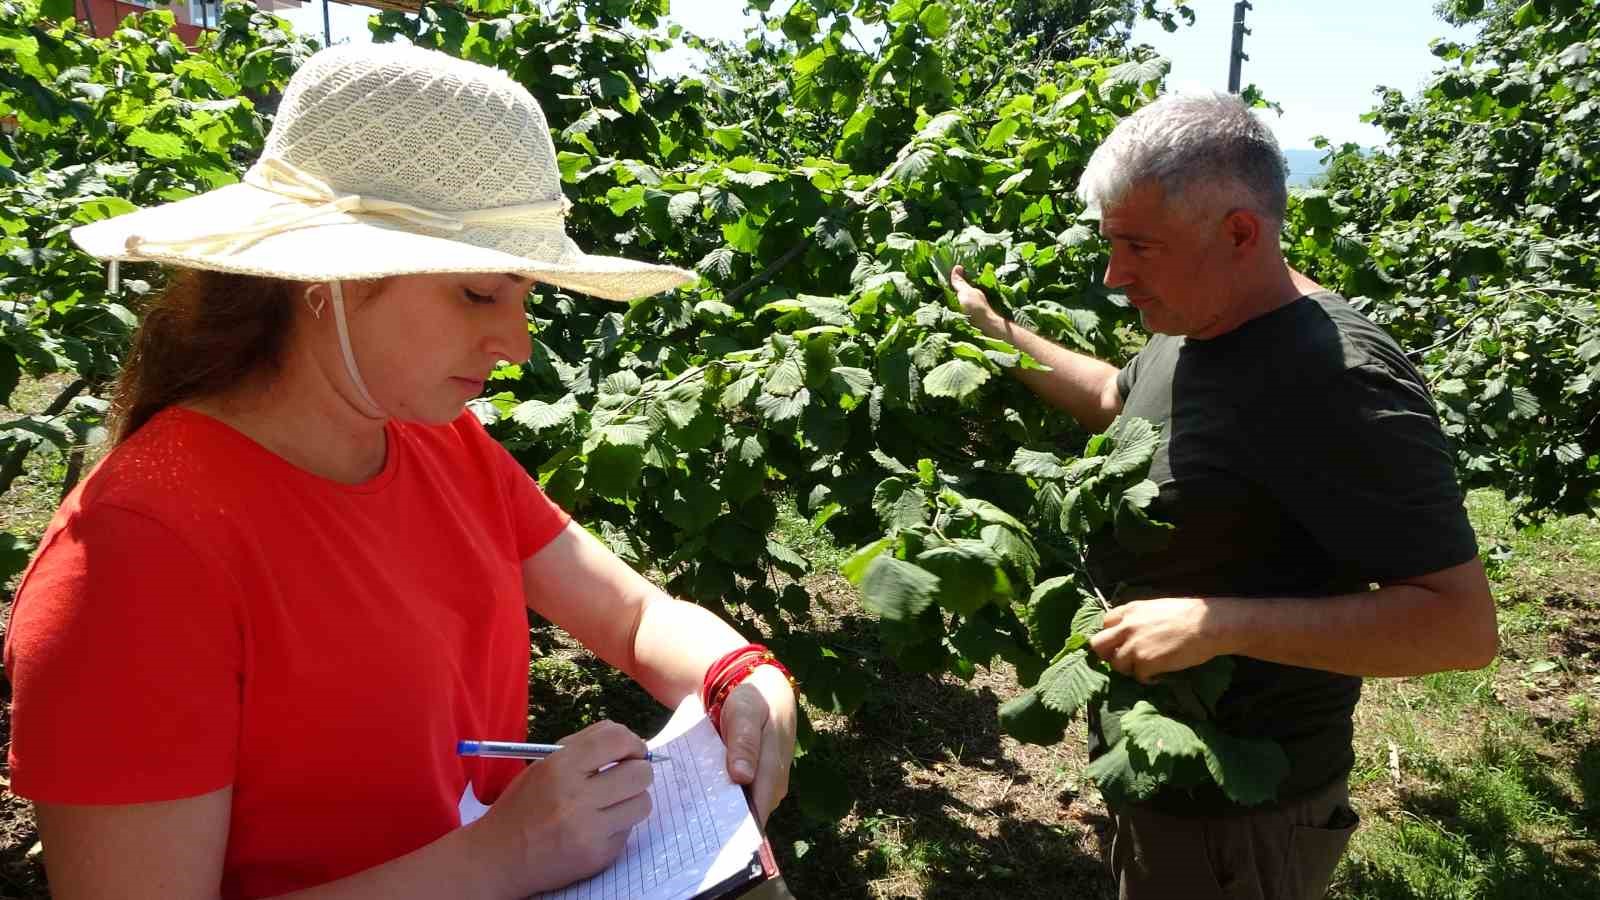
[(173, 850), (460, 864), (664, 644), (675, 643)]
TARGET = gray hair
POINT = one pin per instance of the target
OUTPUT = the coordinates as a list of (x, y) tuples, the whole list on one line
[(1208, 141)]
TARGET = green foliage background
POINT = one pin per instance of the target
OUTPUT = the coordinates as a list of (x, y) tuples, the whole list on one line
[(1475, 239)]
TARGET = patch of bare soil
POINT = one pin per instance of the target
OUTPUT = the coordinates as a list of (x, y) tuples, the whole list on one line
[(944, 804), (1553, 674), (21, 875)]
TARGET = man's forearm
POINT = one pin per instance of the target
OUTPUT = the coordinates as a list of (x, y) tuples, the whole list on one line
[(1081, 386), (1398, 630)]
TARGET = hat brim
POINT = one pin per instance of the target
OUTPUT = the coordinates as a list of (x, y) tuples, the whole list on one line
[(350, 250)]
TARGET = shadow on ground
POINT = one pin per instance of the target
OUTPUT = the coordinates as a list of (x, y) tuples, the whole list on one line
[(21, 878), (939, 810), (1467, 835), (913, 764)]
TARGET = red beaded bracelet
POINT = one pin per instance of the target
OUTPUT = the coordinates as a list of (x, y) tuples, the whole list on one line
[(728, 671)]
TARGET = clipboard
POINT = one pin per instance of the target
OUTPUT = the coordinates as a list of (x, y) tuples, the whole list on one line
[(757, 873), (763, 868), (699, 828)]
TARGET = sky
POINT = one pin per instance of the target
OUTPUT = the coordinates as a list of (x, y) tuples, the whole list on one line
[(1321, 61)]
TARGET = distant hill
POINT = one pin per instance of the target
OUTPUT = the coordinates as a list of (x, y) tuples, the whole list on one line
[(1303, 165)]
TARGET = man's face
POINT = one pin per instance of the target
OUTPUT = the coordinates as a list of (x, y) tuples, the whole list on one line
[(1172, 266)]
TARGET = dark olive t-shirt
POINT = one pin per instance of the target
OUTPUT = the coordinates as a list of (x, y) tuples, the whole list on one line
[(1300, 457)]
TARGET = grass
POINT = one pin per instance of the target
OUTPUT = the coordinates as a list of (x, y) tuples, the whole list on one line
[(812, 543), (1470, 784), (33, 496), (1496, 791), (1487, 820)]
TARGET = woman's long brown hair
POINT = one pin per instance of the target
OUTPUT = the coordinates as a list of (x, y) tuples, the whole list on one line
[(204, 334)]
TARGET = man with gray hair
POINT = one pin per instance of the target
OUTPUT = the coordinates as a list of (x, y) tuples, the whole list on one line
[(1319, 531)]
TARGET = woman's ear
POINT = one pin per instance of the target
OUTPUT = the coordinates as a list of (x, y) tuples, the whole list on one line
[(316, 299)]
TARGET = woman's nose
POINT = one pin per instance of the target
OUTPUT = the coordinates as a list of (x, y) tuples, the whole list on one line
[(511, 340)]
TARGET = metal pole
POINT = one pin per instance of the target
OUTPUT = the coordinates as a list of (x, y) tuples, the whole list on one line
[(327, 29), (88, 16), (1238, 55)]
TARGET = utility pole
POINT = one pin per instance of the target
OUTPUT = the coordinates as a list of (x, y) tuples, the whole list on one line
[(1238, 56), (327, 29)]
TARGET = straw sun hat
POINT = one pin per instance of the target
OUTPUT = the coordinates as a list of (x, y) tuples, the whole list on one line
[(387, 160)]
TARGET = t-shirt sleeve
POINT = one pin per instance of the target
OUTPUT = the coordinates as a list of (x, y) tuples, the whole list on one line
[(125, 658), (536, 519), (1126, 377), (1361, 462)]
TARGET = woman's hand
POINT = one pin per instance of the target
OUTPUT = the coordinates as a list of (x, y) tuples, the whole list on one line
[(563, 819), (758, 725)]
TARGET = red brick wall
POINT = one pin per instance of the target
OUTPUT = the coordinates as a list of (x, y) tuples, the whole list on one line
[(108, 14)]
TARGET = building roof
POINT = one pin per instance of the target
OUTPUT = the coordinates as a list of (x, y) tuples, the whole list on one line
[(409, 6)]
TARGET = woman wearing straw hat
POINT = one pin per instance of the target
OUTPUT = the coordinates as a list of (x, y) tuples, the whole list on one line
[(252, 637)]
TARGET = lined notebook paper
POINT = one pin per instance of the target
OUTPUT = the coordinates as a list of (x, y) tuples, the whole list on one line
[(700, 832)]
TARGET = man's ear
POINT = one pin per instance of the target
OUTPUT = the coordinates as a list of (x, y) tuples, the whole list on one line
[(1243, 228)]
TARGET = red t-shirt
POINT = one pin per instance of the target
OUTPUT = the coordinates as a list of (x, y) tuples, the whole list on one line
[(202, 613)]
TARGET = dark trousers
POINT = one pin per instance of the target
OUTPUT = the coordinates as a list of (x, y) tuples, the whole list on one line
[(1280, 854)]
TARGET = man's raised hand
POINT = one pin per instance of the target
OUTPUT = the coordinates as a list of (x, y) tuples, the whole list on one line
[(973, 302)]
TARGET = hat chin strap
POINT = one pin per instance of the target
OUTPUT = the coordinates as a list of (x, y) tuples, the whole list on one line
[(373, 410)]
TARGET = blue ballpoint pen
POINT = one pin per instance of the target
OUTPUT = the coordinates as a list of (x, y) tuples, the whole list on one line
[(513, 750)]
